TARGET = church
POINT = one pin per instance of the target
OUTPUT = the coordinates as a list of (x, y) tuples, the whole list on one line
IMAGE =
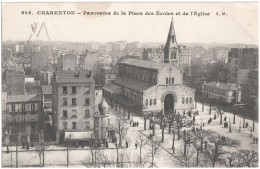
[(144, 86)]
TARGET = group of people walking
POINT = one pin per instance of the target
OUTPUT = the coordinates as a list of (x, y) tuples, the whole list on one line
[(134, 124)]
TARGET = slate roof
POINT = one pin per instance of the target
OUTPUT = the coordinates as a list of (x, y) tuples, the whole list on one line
[(225, 86), (46, 89), (23, 98), (132, 83), (112, 88), (144, 63), (72, 77)]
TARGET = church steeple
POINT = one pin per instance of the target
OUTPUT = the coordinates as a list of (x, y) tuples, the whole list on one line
[(171, 39), (171, 48)]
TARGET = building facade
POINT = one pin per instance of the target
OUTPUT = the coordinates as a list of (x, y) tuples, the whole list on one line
[(15, 82), (144, 86), (107, 74), (73, 104), (22, 118), (253, 89), (224, 92)]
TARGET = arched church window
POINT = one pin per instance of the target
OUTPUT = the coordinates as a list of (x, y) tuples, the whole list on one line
[(154, 101), (187, 100), (190, 99), (151, 102), (166, 80), (169, 80), (146, 102), (173, 37), (172, 55), (172, 80), (183, 100)]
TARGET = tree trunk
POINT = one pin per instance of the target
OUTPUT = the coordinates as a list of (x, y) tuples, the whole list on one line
[(16, 153), (215, 157), (210, 108), (40, 157), (153, 129), (185, 144), (198, 157), (173, 139), (170, 127), (221, 118), (67, 156), (144, 123), (43, 155), (244, 121), (162, 133), (202, 106), (178, 133), (253, 125), (117, 160), (140, 155), (201, 144)]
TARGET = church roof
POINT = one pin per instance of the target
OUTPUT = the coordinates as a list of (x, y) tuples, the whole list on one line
[(144, 63), (134, 84)]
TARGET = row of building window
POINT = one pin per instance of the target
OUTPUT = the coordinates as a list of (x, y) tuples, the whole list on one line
[(152, 102), (74, 125), (23, 117), (74, 102), (23, 107), (169, 80), (74, 89), (74, 113), (187, 100)]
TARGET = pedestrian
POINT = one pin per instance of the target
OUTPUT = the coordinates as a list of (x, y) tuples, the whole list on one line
[(225, 118), (137, 124), (203, 124), (135, 145), (106, 144), (126, 144), (206, 144), (254, 140), (215, 116)]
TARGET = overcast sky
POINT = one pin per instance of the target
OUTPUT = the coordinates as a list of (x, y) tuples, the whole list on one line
[(240, 25)]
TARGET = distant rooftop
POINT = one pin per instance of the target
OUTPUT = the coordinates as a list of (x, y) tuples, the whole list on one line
[(144, 63), (14, 72), (76, 77), (23, 98), (225, 86)]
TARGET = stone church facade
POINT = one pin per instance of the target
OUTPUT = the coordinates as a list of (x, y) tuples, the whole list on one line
[(144, 86)]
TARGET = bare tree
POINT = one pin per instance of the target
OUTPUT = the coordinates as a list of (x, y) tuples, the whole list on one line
[(141, 141), (188, 138), (186, 160), (40, 148), (155, 145), (120, 127), (218, 141), (242, 158), (201, 134)]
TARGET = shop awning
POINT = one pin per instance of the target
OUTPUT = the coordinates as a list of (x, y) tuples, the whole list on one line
[(78, 135)]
